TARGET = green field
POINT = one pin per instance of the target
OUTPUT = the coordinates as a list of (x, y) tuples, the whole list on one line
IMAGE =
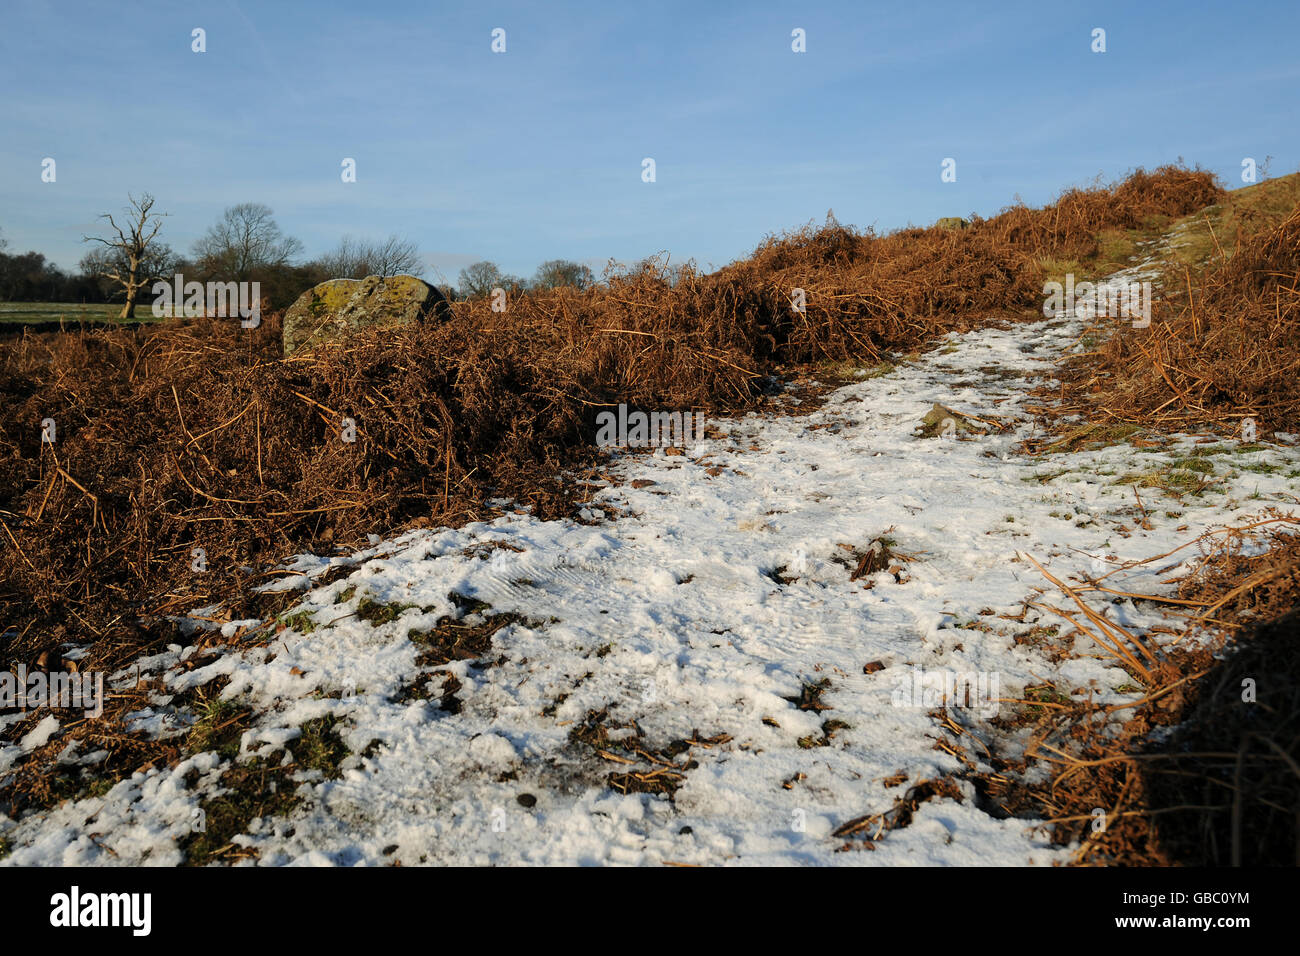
[(70, 312)]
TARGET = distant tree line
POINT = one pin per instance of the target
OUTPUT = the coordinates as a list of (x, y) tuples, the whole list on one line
[(245, 244), (28, 277), (481, 278)]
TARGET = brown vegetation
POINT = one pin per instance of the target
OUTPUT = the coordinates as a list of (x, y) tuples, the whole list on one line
[(197, 434), (1224, 346), (1221, 785)]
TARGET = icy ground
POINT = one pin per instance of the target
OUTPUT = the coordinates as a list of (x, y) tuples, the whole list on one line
[(721, 589)]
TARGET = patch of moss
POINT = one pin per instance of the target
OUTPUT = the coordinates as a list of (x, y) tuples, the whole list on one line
[(249, 790), (1261, 468), (100, 786), (1241, 448), (466, 636), (1045, 694), (262, 787), (1194, 463), (1182, 476), (320, 747), (377, 614), (837, 372), (466, 604), (1092, 436), (300, 621), (219, 728)]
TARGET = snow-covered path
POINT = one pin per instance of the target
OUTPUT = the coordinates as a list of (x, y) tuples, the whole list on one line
[(721, 590)]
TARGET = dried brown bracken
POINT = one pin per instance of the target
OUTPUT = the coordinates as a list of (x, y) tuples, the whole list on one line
[(197, 434), (1223, 347)]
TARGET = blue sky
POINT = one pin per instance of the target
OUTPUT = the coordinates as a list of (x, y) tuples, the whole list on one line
[(536, 153)]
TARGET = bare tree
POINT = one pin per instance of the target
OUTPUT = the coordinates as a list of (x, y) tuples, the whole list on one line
[(479, 279), (130, 259), (246, 239), (356, 259), (394, 257), (560, 272)]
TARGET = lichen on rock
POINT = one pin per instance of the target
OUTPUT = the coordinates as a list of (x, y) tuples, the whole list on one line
[(336, 308)]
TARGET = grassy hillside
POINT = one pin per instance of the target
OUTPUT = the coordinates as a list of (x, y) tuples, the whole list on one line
[(1194, 238), (1223, 349), (1243, 214)]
